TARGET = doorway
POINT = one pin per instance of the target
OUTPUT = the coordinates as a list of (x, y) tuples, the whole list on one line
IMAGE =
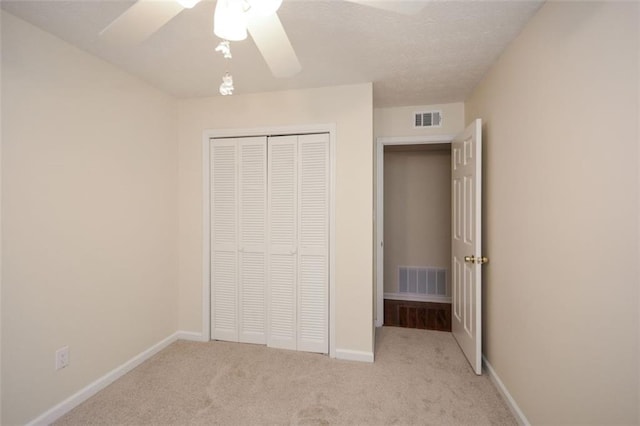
[(414, 282), (417, 236), (466, 235)]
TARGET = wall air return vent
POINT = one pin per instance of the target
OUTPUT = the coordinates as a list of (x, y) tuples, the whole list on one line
[(427, 119), (424, 281)]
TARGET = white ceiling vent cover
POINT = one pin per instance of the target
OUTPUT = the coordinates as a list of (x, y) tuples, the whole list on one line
[(427, 119)]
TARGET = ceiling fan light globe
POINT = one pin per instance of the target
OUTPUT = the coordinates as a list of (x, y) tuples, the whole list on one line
[(230, 21), (230, 32), (188, 4), (263, 7)]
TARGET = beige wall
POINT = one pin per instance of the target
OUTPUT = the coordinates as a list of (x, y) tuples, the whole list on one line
[(560, 109), (417, 211), (89, 218), (1, 258), (398, 121), (350, 108)]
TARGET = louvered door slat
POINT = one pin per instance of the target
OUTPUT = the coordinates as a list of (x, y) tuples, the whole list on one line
[(224, 240), (282, 224), (313, 207), (252, 175)]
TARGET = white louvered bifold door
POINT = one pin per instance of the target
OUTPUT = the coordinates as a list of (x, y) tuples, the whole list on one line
[(224, 239), (252, 194), (313, 243), (238, 239), (270, 241), (298, 270), (282, 221)]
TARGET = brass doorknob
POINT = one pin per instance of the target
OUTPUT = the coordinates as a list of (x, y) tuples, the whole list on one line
[(480, 260)]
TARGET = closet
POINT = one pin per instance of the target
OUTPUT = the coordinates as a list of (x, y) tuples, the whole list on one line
[(270, 240)]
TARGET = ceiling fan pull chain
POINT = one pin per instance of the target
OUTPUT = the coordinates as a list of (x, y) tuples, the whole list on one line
[(225, 49), (226, 88)]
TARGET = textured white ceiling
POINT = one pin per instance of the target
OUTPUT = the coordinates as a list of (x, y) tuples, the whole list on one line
[(435, 56)]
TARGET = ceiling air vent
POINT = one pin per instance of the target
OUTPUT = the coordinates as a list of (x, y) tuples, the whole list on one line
[(427, 119)]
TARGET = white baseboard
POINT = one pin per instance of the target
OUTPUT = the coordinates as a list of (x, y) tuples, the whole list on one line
[(193, 336), (417, 297), (87, 392), (513, 406), (349, 355)]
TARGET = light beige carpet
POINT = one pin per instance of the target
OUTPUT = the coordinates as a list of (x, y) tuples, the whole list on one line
[(419, 377)]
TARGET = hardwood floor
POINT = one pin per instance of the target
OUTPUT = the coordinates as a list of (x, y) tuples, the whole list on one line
[(423, 315)]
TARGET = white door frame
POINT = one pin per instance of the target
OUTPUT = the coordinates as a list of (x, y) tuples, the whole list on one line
[(206, 191), (379, 207)]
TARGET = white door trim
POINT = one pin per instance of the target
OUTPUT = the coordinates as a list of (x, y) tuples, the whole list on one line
[(379, 207), (206, 190)]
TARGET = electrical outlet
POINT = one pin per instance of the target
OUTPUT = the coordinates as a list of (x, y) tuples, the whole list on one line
[(62, 357)]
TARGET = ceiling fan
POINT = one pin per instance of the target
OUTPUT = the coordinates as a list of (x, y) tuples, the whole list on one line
[(232, 20)]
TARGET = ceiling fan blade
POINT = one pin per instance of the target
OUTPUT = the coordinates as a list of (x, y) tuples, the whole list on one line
[(274, 45), (406, 7), (141, 20)]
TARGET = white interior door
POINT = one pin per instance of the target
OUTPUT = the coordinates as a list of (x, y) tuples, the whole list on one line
[(252, 256), (298, 226), (238, 239), (224, 240), (313, 243), (467, 259), (270, 241), (282, 227)]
